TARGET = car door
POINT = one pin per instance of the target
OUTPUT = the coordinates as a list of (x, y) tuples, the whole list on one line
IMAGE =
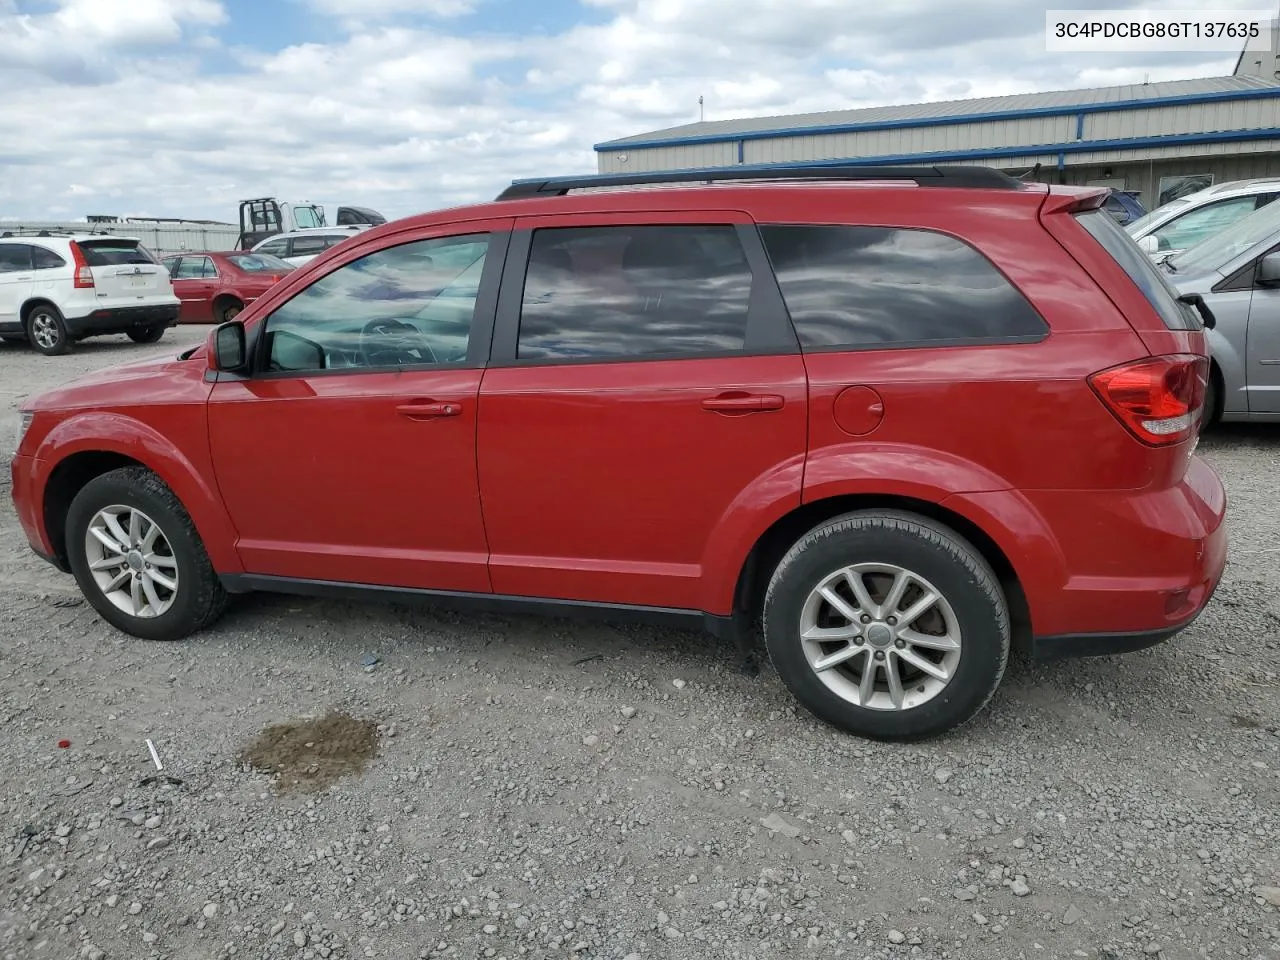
[(17, 280), (645, 385), (1262, 345), (349, 454), (195, 283)]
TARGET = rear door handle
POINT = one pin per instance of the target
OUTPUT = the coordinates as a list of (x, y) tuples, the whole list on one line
[(428, 409), (743, 403)]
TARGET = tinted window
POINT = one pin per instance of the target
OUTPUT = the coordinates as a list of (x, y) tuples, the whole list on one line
[(275, 248), (872, 286), (306, 246), (106, 253), (411, 304), (611, 292), (45, 259), (259, 263), (1162, 297), (14, 257)]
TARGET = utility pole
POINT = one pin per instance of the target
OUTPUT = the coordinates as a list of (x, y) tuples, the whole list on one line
[(700, 112)]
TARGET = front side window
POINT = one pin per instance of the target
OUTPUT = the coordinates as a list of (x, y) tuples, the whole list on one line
[(853, 287), (1190, 228), (408, 305), (307, 218), (634, 292)]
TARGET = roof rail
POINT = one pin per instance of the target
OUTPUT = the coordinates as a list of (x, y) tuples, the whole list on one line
[(37, 232), (966, 176)]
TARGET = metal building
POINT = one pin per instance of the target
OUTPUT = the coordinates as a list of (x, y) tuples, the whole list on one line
[(1160, 139)]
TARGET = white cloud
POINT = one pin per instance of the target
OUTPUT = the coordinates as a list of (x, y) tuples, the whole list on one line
[(405, 116)]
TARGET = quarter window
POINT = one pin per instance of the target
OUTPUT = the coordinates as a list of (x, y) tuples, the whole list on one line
[(634, 292), (43, 258), (880, 286), (408, 305)]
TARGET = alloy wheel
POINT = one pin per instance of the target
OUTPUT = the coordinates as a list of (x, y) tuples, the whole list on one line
[(131, 561), (880, 636), (44, 330)]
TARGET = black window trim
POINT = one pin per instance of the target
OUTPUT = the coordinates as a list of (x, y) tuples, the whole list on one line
[(920, 344), (769, 331), (1244, 277), (482, 324)]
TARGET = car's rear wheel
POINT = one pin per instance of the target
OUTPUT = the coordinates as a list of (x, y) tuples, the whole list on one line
[(147, 334), (227, 310), (138, 559), (887, 625), (46, 330)]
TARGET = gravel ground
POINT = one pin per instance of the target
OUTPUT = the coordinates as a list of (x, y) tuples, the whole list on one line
[(495, 787)]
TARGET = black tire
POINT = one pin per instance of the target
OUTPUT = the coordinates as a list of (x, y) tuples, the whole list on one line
[(923, 547), (1211, 411), (47, 331), (200, 598), (147, 334), (227, 311)]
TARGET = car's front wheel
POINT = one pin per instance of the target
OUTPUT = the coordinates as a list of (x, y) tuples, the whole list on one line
[(138, 559), (887, 625), (147, 334), (47, 331)]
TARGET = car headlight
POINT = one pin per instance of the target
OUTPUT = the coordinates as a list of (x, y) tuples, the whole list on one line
[(24, 421)]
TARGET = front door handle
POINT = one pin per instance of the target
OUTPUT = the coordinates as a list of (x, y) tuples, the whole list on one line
[(428, 409), (743, 403)]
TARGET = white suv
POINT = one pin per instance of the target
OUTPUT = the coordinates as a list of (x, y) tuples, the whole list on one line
[(299, 246), (57, 289), (1180, 224)]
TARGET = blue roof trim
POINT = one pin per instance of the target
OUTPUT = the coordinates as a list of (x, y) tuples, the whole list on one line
[(1052, 150), (1257, 93)]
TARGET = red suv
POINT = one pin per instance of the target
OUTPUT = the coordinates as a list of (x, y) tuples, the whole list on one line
[(902, 417)]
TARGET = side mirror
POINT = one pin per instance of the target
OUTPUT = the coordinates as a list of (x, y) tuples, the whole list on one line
[(1269, 269), (227, 349), (1149, 244), (1197, 301)]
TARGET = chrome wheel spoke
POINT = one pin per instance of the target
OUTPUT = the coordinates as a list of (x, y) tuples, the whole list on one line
[(148, 542), (832, 634), (867, 683), (108, 563), (837, 658), (135, 595), (918, 609), (161, 580), (157, 560), (107, 540), (839, 605), (924, 665), (117, 582), (865, 603), (895, 682), (114, 529), (917, 639), (135, 528), (893, 598), (149, 591)]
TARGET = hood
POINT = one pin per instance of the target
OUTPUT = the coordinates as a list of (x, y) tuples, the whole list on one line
[(130, 383)]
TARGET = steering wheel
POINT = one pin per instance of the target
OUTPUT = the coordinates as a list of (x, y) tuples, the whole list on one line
[(392, 343)]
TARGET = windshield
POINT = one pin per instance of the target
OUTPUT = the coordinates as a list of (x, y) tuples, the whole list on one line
[(308, 218), (1158, 212), (259, 263), (1217, 251)]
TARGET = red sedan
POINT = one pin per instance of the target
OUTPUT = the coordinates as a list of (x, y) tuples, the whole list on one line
[(214, 287)]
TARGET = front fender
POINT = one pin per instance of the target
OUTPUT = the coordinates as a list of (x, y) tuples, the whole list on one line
[(188, 473)]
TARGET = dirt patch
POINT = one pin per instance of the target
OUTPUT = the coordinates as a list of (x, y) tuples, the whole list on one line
[(313, 754)]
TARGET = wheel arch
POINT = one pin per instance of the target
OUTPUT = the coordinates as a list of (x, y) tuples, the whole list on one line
[(31, 304), (783, 533), (86, 447)]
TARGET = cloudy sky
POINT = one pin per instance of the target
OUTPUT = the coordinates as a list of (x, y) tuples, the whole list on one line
[(184, 107)]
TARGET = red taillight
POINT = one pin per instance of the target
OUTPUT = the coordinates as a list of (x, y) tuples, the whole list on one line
[(84, 276), (1160, 399), (275, 278)]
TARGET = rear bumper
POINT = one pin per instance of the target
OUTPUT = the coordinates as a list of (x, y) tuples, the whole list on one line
[(1158, 563), (123, 319)]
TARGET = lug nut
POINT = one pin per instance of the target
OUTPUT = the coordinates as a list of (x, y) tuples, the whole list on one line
[(901, 644), (892, 621), (879, 654), (865, 618)]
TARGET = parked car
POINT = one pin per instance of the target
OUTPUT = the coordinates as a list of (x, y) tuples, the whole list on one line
[(1124, 206), (301, 246), (57, 290), (903, 425), (214, 287), (1182, 223), (1236, 273)]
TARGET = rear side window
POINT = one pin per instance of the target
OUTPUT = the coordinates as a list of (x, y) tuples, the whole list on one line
[(14, 257), (859, 287), (43, 258), (108, 253), (1141, 270), (634, 292), (305, 246)]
